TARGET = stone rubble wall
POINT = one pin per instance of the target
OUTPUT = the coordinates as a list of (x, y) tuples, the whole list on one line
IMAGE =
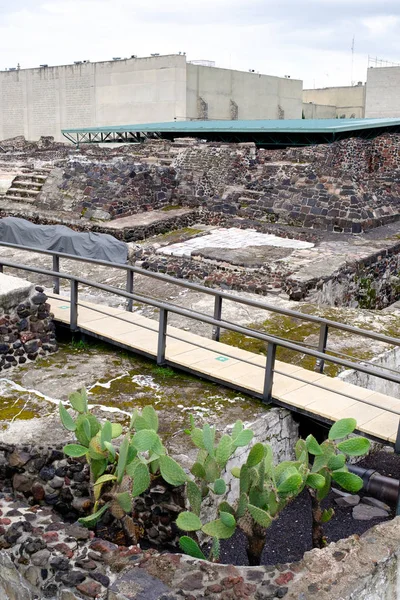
[(26, 328), (109, 190), (43, 557), (349, 186), (44, 476), (372, 282), (130, 233)]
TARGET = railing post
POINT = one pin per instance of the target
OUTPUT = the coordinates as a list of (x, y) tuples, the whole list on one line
[(397, 450), (162, 336), (217, 315), (1, 268), (269, 372), (73, 320), (129, 289), (56, 268), (323, 339)]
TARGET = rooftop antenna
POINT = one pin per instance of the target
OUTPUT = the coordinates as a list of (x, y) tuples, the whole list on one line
[(352, 61)]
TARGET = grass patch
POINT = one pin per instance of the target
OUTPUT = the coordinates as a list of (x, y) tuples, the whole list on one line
[(164, 372)]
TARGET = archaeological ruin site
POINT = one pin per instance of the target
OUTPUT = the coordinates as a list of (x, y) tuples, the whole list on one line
[(191, 332)]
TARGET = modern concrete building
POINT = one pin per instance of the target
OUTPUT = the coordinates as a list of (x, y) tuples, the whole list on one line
[(42, 101), (383, 92), (348, 100), (318, 111)]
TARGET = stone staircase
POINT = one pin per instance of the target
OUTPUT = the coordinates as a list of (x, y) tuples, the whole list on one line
[(250, 196), (27, 185)]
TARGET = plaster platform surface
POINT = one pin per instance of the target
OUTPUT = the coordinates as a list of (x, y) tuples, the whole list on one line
[(13, 290)]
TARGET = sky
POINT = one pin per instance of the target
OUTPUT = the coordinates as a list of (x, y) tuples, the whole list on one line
[(309, 40)]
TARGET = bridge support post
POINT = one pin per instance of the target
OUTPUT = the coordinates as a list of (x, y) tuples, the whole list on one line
[(129, 289), (162, 336), (269, 372), (73, 320), (217, 315), (56, 268), (397, 450), (323, 339)]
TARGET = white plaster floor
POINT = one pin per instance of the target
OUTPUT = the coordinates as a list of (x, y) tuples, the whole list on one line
[(232, 238)]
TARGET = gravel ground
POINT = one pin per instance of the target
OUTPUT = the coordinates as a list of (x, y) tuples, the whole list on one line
[(290, 535)]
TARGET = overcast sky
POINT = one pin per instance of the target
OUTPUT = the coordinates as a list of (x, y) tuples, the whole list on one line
[(306, 39)]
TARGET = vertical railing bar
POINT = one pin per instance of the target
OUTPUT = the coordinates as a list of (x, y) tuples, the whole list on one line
[(269, 372), (323, 340), (217, 315), (162, 336), (56, 280), (397, 450), (73, 324), (129, 289)]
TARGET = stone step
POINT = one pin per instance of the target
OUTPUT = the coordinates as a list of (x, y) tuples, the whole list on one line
[(22, 199), (245, 200), (33, 175), (34, 185), (253, 193), (20, 192)]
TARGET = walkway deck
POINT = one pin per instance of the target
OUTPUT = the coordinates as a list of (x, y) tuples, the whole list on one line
[(225, 364)]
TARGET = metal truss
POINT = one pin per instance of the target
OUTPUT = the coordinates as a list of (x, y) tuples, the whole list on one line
[(267, 139)]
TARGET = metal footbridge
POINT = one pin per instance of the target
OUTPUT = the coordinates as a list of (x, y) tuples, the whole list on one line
[(311, 393)]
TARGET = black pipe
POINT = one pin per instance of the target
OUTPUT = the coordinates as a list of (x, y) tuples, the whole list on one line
[(380, 487)]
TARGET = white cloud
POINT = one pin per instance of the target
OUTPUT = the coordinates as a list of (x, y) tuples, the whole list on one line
[(381, 25), (307, 39)]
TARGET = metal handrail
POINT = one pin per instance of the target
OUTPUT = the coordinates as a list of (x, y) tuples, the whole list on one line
[(191, 314), (325, 324), (165, 307)]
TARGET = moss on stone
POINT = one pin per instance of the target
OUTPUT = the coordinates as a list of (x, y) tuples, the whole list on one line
[(171, 207), (297, 330)]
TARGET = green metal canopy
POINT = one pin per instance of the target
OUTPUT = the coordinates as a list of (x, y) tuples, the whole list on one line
[(268, 133)]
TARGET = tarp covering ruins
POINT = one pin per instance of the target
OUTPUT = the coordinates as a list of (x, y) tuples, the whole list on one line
[(60, 238)]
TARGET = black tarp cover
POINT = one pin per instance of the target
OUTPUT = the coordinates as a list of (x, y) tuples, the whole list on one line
[(60, 238)]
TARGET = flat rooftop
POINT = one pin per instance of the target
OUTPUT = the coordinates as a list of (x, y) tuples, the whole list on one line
[(268, 133)]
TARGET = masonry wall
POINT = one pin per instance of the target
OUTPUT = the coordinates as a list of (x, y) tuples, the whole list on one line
[(26, 324), (42, 101), (226, 94), (349, 100), (318, 111), (383, 89), (105, 190), (390, 360)]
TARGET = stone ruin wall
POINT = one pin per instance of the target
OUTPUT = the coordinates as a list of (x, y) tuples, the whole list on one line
[(349, 186), (44, 476), (26, 326), (372, 282), (108, 190), (44, 557)]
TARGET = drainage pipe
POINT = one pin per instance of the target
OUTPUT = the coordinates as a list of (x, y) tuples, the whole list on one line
[(383, 488)]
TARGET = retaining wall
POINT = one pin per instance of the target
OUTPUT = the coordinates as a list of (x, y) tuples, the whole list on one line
[(44, 476), (26, 325), (41, 557), (391, 360), (108, 190)]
